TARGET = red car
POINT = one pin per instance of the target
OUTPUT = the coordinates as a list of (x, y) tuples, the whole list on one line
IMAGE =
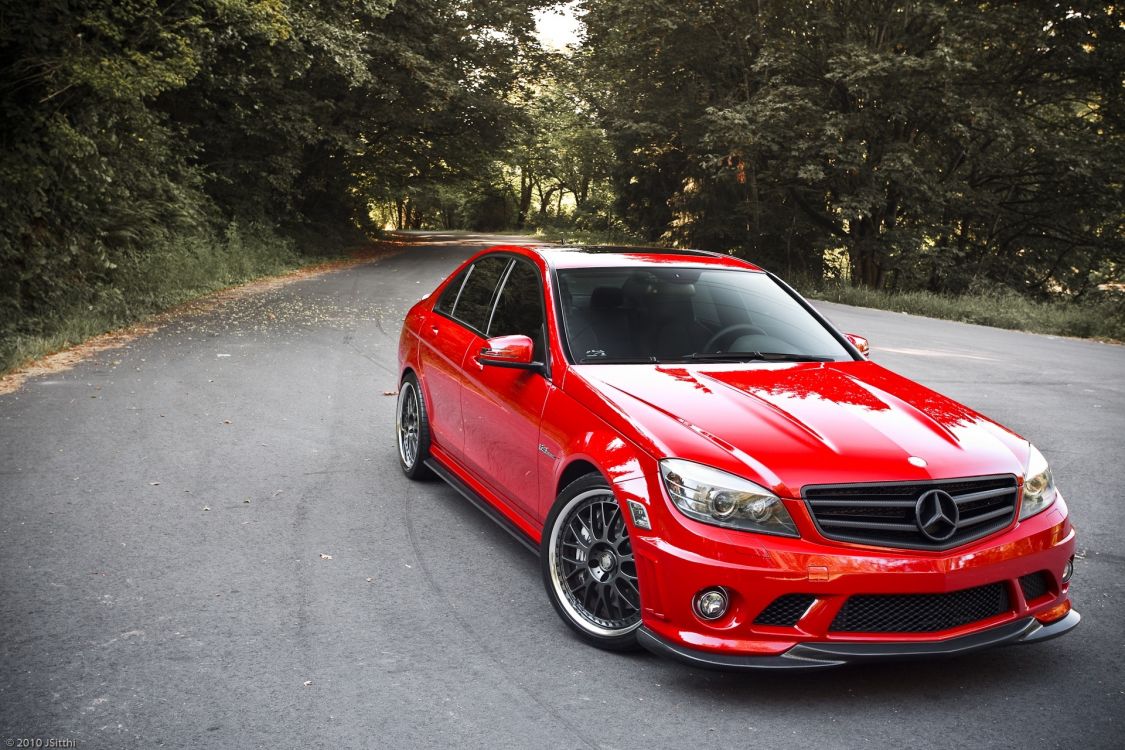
[(709, 469)]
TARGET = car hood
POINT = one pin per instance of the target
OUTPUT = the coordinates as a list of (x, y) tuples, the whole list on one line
[(791, 425)]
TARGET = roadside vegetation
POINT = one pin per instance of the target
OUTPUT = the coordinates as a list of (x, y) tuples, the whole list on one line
[(894, 154), (178, 270), (999, 307)]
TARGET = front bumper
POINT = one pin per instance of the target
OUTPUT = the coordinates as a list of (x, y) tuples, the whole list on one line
[(824, 654), (679, 558)]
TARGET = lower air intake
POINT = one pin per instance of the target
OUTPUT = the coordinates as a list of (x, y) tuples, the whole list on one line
[(920, 613), (785, 611)]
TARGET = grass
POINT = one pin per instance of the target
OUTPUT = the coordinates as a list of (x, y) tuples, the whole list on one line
[(1101, 319), (165, 276)]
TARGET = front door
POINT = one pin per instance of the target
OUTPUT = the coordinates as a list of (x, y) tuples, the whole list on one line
[(502, 407)]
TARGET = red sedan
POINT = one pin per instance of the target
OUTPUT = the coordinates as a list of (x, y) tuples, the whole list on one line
[(709, 469)]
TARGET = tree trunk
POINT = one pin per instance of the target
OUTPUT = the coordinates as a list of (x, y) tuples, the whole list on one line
[(525, 197)]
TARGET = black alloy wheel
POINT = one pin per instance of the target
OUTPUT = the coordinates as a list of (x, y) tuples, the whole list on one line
[(588, 565)]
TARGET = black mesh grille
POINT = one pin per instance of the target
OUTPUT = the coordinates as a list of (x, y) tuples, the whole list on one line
[(885, 514), (920, 613), (1035, 585), (786, 610)]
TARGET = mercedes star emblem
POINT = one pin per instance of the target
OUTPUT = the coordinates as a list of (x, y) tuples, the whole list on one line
[(937, 515)]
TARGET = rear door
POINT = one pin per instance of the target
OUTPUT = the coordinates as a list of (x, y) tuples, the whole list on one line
[(457, 322)]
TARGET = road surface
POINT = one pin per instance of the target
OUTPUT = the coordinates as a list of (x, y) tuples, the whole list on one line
[(207, 543)]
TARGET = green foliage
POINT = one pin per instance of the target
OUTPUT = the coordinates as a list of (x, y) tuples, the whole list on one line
[(153, 147), (938, 144), (172, 271), (136, 132)]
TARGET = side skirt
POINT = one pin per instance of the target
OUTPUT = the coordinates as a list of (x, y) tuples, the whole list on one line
[(483, 505)]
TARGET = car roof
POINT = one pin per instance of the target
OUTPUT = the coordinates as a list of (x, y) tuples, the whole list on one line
[(602, 256)]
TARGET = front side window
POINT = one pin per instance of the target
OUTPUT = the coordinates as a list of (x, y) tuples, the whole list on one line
[(687, 314), (519, 308), (474, 301)]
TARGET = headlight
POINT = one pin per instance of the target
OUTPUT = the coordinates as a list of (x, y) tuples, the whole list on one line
[(1038, 485), (722, 499)]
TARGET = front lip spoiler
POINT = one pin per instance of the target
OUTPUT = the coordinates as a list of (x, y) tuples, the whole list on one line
[(825, 654)]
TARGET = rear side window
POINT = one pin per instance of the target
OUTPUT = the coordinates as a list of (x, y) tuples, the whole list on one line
[(448, 298), (475, 300)]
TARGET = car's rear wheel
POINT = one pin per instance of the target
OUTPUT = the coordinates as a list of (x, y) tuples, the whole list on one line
[(412, 429), (588, 565)]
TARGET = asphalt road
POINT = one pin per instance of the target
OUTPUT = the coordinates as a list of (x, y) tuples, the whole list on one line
[(206, 542)]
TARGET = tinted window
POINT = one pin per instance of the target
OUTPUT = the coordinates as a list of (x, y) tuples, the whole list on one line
[(684, 314), (519, 309), (448, 298), (476, 295)]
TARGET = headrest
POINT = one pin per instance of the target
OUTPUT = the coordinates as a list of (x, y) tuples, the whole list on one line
[(606, 298), (638, 287), (676, 291)]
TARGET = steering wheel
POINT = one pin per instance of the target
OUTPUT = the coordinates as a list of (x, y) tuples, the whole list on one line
[(749, 328)]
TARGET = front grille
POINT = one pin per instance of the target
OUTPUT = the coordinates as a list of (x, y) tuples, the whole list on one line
[(920, 613), (1034, 585), (785, 611), (887, 514)]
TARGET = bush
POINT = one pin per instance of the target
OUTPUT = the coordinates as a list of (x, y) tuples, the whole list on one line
[(172, 271)]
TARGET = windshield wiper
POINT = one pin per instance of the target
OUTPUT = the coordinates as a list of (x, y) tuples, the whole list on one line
[(618, 361), (756, 357)]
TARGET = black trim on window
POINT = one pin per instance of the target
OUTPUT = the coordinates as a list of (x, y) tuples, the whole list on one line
[(512, 260), (452, 315)]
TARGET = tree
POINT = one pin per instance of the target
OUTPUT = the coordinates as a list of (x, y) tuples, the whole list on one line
[(935, 143)]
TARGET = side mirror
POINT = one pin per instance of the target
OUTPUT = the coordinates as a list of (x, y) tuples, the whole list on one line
[(859, 342), (509, 351)]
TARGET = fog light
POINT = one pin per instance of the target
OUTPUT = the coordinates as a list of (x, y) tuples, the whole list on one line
[(711, 604), (1068, 570)]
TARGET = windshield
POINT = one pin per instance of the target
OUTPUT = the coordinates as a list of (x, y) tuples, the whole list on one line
[(622, 315)]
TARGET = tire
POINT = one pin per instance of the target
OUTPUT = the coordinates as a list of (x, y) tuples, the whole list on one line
[(588, 568), (412, 429)]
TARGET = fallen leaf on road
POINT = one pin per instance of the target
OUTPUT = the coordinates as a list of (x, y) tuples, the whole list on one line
[(325, 557), (369, 580), (247, 501), (154, 483), (308, 682), (278, 493), (206, 507), (226, 421), (390, 393)]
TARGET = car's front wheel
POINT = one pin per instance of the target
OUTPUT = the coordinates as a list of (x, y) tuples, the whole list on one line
[(588, 565)]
